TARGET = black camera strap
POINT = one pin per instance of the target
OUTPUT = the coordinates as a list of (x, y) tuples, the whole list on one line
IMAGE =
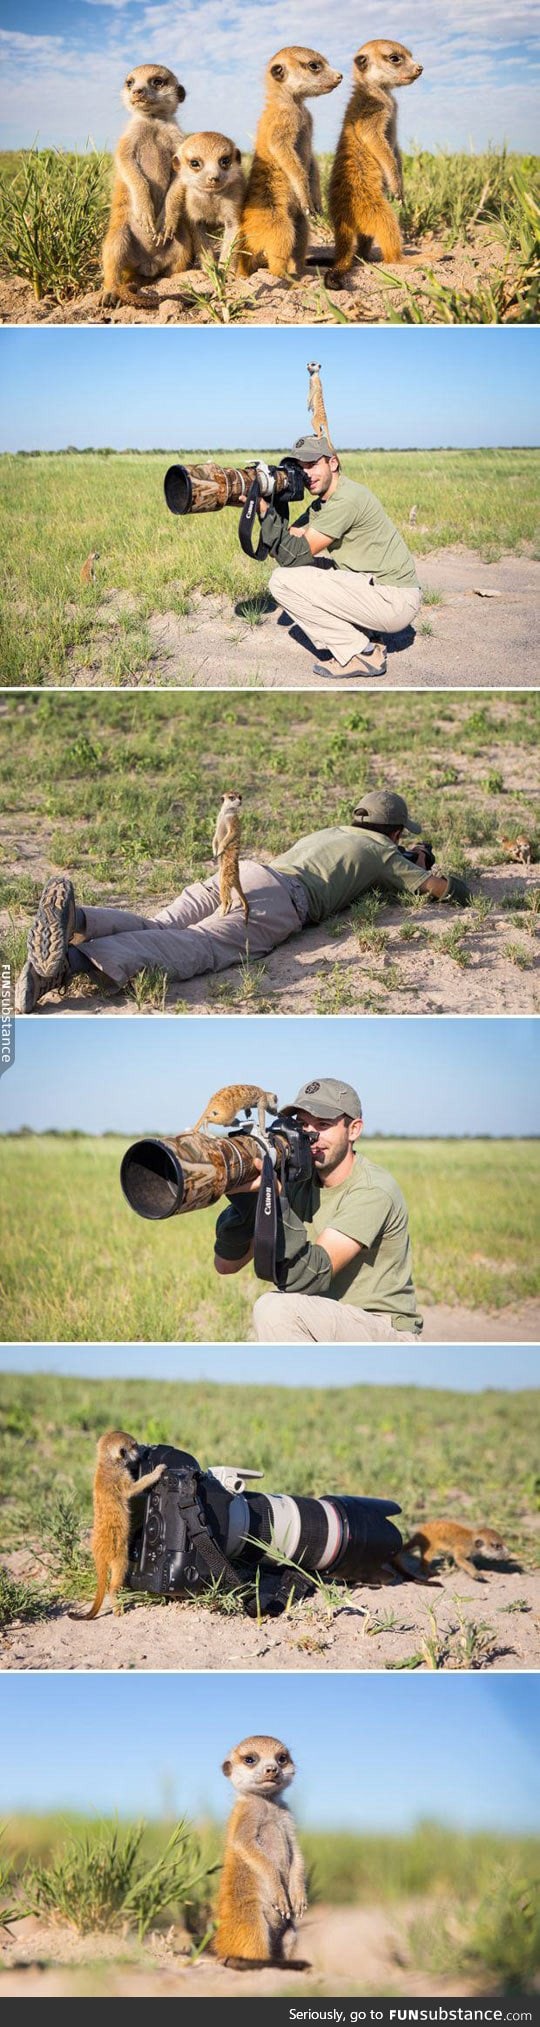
[(206, 1548), (249, 515), (266, 1224)]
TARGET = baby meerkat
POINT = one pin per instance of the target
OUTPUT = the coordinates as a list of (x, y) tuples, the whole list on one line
[(141, 239), (262, 1892), (283, 184), (233, 1098), (115, 1485), (367, 158), (212, 184), (518, 849), (450, 1538), (226, 849)]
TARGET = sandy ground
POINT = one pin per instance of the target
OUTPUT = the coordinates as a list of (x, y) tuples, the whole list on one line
[(324, 970), (484, 634), (377, 1626), (349, 1950), (366, 298)]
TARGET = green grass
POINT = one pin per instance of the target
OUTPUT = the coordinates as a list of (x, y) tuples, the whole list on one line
[(100, 1880), (78, 1264), (498, 1932), (122, 791), (57, 507)]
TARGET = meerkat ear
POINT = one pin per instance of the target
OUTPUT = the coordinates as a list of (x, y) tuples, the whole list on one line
[(277, 71), (360, 63), (180, 92), (238, 154), (177, 160), (226, 1768)]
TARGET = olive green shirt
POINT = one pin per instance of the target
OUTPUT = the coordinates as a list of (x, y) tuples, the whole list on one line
[(363, 536), (336, 866), (369, 1207)]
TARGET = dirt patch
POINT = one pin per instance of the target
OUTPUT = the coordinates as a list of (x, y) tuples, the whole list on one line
[(468, 641), (366, 298), (377, 1626), (349, 1949)]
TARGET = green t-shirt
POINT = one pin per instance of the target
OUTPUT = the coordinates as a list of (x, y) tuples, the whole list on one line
[(368, 1207), (337, 865), (363, 536)]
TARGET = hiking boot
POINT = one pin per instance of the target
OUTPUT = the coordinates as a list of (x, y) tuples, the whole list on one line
[(371, 663), (30, 988), (54, 924)]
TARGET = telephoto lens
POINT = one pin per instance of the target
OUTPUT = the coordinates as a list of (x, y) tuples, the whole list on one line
[(206, 488)]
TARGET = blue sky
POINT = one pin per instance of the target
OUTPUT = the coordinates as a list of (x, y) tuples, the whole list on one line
[(416, 1076), (237, 388), (64, 64), (395, 1748), (463, 1368)]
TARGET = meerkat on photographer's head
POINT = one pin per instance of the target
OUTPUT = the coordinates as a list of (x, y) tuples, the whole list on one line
[(283, 184), (367, 159), (142, 240), (262, 1892), (212, 183)]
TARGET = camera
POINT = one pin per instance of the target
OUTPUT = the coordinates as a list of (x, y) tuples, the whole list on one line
[(194, 1526), (206, 488), (162, 1178)]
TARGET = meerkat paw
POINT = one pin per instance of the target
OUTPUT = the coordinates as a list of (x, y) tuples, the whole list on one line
[(299, 1907)]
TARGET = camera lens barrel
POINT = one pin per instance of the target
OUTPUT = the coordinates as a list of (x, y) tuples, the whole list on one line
[(341, 1535)]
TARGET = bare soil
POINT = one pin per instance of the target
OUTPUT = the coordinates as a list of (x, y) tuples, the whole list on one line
[(365, 299), (377, 1626), (482, 634), (349, 1949)]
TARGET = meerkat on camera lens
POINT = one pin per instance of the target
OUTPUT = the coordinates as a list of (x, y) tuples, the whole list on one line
[(115, 1485), (142, 240), (283, 184), (212, 187), (262, 1892), (222, 1108), (367, 160)]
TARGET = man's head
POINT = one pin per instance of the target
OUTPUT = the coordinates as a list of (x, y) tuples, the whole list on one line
[(320, 464), (382, 810), (333, 1112)]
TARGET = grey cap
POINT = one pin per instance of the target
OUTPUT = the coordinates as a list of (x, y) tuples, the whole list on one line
[(308, 449), (382, 806), (327, 1098)]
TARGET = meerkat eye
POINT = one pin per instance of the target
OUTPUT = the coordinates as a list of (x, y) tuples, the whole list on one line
[(224, 161), (395, 58), (282, 1759), (129, 82), (250, 1759), (195, 164), (314, 66)]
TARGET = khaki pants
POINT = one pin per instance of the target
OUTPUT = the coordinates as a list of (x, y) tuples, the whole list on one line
[(340, 609), (315, 1319), (189, 935)]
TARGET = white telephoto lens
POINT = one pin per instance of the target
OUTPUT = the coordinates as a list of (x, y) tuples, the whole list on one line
[(335, 1534), (286, 1523), (239, 1525)]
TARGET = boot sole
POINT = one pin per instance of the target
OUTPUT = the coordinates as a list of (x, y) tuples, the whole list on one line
[(52, 928)]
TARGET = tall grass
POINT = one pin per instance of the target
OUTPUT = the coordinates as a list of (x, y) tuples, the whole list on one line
[(53, 212), (102, 1881), (493, 1929)]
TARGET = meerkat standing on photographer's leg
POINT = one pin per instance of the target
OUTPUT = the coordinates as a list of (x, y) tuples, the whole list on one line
[(283, 184), (226, 849), (262, 1892), (367, 159)]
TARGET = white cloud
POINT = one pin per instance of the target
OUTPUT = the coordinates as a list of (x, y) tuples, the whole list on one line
[(475, 86)]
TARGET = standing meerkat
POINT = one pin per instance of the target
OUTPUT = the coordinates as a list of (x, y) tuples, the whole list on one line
[(367, 159), (451, 1538), (262, 1891), (141, 241), (226, 849), (212, 188), (115, 1485), (283, 184), (88, 569), (233, 1098), (316, 407)]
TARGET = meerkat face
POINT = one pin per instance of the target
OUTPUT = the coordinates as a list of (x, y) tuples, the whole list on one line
[(314, 367), (488, 1543), (260, 1766), (304, 72), (152, 89), (387, 64), (208, 162), (232, 800), (115, 1447)]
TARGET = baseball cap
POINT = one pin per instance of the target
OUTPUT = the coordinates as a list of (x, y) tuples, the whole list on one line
[(308, 449), (327, 1098), (381, 805)]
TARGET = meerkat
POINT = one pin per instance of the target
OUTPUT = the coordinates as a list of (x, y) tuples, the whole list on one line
[(316, 407), (222, 1109), (262, 1892), (114, 1487), (463, 1544), (226, 849), (284, 184), (143, 238), (367, 158), (88, 570), (519, 849), (212, 186)]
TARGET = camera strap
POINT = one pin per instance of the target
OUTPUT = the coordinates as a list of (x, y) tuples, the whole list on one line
[(266, 1224), (245, 525)]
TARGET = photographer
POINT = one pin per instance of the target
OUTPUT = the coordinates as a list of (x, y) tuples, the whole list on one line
[(319, 875), (344, 1254), (353, 574)]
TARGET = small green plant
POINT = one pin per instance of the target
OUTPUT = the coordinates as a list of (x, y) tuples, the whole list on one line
[(452, 944), (52, 220), (20, 1601), (524, 959), (8, 1912), (494, 782), (102, 1881), (149, 989), (497, 1938)]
